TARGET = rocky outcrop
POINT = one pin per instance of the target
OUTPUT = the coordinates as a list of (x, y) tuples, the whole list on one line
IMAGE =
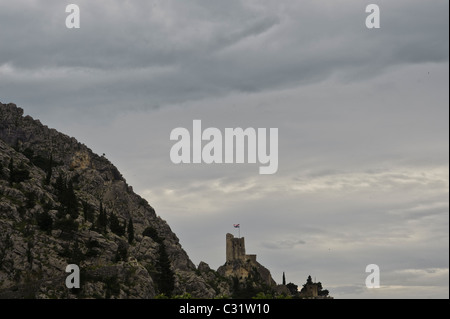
[(246, 274), (222, 286), (61, 203), (245, 269)]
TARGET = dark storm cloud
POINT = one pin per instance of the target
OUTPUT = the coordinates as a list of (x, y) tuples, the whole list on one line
[(150, 54)]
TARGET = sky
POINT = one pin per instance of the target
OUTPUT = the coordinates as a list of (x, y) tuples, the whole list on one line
[(362, 117)]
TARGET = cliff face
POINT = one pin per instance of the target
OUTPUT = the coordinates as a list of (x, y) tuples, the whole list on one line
[(60, 203)]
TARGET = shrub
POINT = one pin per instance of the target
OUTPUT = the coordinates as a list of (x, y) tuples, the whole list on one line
[(45, 222), (115, 226), (153, 234), (122, 252), (66, 224)]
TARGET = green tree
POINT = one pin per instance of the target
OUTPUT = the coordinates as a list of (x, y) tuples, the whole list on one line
[(166, 279), (321, 291), (60, 186), (71, 201), (115, 226), (76, 255), (93, 248), (153, 234), (112, 287), (293, 289), (45, 221), (29, 254), (122, 251), (17, 175), (31, 199), (66, 197), (67, 225), (88, 211)]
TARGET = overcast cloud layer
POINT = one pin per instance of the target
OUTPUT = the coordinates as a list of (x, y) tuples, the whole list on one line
[(362, 117)]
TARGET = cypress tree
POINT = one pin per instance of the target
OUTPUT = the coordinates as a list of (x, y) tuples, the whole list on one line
[(60, 186), (130, 231), (102, 219), (48, 177), (166, 280), (114, 225), (71, 201)]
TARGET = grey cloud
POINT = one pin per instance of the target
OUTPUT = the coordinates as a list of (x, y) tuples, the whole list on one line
[(349, 290), (283, 244), (210, 49)]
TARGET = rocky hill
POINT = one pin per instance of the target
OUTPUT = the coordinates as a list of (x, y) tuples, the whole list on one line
[(61, 204)]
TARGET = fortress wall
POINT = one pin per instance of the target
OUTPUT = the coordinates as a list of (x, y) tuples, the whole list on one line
[(251, 257)]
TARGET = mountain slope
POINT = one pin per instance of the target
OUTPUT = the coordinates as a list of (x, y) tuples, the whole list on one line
[(60, 203)]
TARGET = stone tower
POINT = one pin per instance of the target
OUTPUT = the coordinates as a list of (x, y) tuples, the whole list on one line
[(235, 248)]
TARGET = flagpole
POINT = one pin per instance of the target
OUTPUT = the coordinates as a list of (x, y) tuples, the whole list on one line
[(238, 226)]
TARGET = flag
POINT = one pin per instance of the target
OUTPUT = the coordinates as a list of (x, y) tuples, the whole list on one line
[(236, 225)]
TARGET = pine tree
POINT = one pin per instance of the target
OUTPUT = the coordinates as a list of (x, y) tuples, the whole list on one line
[(284, 279)]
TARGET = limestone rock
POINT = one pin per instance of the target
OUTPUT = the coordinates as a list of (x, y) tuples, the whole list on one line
[(220, 284), (53, 190)]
